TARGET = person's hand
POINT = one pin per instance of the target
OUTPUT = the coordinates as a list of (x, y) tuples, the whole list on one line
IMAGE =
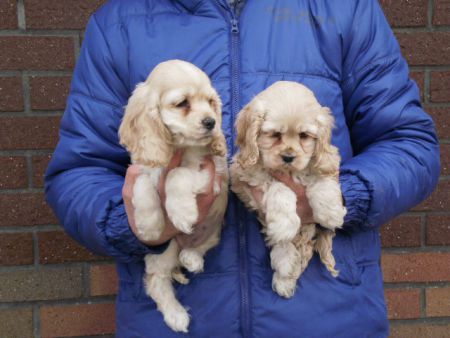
[(204, 201), (133, 172), (304, 210)]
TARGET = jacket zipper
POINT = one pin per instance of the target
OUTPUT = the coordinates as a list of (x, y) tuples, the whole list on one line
[(243, 268)]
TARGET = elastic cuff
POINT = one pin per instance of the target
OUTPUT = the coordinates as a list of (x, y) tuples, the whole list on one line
[(356, 198), (119, 234)]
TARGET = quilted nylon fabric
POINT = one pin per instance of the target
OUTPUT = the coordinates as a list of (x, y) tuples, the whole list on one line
[(347, 54)]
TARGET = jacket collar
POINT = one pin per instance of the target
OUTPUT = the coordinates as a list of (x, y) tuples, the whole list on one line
[(192, 5)]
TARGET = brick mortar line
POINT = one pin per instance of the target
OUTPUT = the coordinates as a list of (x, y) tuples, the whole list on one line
[(418, 249), (40, 73), (24, 152), (54, 266), (427, 320), (58, 302), (10, 73), (26, 93), (39, 33), (426, 87), (415, 285), (422, 303), (422, 29), (49, 73), (29, 229), (438, 105), (420, 213), (41, 267), (21, 18), (431, 67), (33, 113), (36, 321), (21, 191), (413, 213), (37, 266), (430, 11), (36, 250)]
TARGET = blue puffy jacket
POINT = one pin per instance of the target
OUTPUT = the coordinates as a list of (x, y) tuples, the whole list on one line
[(347, 54)]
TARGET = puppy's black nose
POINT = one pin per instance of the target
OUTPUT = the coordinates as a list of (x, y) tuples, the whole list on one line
[(287, 158), (209, 123)]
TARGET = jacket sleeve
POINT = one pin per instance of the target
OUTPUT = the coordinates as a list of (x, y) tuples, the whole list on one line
[(396, 151), (84, 179)]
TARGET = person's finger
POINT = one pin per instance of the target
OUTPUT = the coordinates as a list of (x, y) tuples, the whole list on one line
[(209, 165), (282, 177), (132, 173), (219, 179), (298, 188), (257, 195), (175, 161)]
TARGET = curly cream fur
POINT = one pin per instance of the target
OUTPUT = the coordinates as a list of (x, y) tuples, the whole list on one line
[(286, 120), (165, 113)]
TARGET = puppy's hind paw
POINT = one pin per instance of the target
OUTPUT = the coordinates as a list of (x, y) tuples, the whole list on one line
[(191, 260), (177, 319), (180, 277), (284, 286)]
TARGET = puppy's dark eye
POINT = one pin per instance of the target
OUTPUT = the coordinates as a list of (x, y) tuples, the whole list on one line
[(304, 136), (183, 104), (211, 102), (276, 135)]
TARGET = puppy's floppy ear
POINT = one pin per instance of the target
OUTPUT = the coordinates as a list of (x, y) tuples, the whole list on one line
[(218, 144), (325, 160), (248, 125), (216, 104), (143, 132)]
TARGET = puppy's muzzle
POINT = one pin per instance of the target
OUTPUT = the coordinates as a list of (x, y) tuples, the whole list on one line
[(288, 158), (208, 123)]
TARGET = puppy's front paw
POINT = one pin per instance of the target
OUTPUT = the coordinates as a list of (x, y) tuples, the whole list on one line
[(177, 319), (184, 224), (191, 260), (331, 218), (182, 215), (283, 228), (284, 286), (149, 225)]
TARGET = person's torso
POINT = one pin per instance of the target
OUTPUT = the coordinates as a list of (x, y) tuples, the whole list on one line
[(243, 53)]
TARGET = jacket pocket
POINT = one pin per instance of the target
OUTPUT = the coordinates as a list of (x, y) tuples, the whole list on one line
[(346, 263)]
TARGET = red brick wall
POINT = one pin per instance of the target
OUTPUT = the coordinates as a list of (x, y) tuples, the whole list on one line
[(51, 287)]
